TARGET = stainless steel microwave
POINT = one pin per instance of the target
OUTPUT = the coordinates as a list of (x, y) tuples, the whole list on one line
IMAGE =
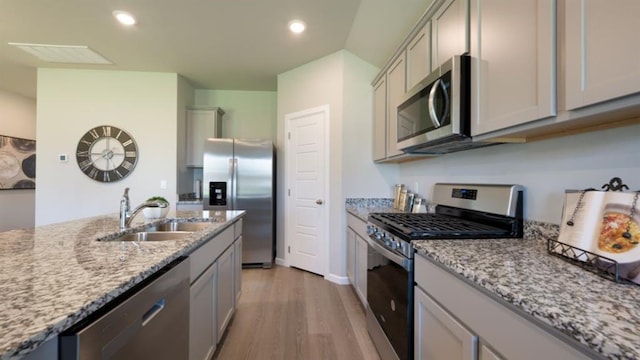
[(435, 115)]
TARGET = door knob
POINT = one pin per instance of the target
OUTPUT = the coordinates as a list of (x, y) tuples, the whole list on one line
[(319, 201)]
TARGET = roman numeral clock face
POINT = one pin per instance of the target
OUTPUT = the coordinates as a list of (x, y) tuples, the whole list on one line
[(107, 154)]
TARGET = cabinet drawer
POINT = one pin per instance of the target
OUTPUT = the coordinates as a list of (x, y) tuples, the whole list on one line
[(359, 226), (206, 254)]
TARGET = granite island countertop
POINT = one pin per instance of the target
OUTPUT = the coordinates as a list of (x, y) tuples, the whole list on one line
[(52, 276), (599, 313)]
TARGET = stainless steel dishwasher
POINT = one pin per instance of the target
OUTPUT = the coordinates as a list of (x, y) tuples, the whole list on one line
[(149, 321)]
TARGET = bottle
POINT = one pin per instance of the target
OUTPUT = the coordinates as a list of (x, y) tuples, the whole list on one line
[(397, 193)]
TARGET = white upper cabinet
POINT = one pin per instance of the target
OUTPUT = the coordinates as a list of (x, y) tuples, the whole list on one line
[(202, 123), (513, 63), (419, 56), (602, 50), (450, 31), (396, 88), (380, 119)]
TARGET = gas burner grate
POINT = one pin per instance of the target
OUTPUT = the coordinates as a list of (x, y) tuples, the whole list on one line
[(420, 226)]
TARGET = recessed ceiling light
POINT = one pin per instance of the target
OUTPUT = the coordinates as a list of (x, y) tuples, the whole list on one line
[(296, 26), (124, 18)]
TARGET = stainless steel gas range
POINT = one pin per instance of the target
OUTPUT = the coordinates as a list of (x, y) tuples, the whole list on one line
[(462, 211)]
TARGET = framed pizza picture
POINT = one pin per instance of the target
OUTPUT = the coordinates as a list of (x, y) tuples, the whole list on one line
[(17, 163)]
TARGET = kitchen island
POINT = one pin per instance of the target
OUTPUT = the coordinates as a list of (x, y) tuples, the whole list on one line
[(582, 308), (55, 275)]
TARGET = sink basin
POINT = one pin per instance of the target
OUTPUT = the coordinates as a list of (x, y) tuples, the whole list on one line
[(179, 226), (154, 236)]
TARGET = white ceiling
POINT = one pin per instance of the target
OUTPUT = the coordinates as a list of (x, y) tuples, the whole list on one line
[(215, 44)]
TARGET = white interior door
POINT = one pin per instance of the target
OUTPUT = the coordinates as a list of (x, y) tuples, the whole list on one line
[(306, 193)]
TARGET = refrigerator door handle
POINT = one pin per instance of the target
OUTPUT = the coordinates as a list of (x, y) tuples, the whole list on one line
[(234, 183), (230, 184)]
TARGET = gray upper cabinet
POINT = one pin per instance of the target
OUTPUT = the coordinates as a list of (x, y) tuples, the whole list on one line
[(602, 59), (202, 123), (380, 119), (441, 33), (419, 56), (450, 34), (513, 63), (539, 68), (396, 88)]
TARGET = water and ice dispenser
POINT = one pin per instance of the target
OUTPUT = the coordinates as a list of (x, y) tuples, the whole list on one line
[(218, 193)]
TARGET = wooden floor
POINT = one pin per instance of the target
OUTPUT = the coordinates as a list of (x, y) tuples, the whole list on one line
[(285, 313)]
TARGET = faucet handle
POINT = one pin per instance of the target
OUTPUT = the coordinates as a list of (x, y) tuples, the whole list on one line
[(126, 193)]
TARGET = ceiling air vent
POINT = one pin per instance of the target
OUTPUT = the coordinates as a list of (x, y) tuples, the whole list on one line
[(66, 54)]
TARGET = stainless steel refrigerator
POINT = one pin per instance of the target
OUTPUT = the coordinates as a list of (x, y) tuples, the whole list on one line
[(239, 174)]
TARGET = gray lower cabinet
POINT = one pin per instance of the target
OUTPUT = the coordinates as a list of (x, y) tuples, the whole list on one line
[(226, 294), (214, 290), (456, 320), (357, 254), (203, 334), (238, 269), (439, 336)]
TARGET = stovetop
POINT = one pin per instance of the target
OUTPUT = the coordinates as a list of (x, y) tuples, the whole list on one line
[(411, 226)]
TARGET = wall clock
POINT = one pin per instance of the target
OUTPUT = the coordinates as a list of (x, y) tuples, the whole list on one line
[(107, 153)]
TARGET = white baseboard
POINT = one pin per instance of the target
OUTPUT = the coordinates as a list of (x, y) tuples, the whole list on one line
[(340, 280), (282, 262)]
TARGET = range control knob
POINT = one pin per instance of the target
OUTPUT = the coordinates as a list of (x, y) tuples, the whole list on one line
[(395, 244), (387, 239), (379, 234), (371, 229)]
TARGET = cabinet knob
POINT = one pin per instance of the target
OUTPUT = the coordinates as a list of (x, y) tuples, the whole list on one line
[(319, 202)]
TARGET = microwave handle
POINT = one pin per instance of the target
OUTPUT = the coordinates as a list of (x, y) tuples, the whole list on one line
[(432, 109)]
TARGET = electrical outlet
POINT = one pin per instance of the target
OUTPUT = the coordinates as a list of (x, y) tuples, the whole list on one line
[(163, 184)]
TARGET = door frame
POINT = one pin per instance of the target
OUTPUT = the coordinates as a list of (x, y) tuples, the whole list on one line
[(287, 182)]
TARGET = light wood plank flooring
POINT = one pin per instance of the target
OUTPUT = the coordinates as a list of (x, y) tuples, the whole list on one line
[(285, 313)]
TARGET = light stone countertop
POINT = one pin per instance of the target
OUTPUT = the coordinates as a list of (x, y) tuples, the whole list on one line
[(52, 276), (599, 313)]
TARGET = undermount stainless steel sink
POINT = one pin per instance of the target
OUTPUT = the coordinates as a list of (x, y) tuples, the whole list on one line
[(162, 232), (179, 226), (154, 236)]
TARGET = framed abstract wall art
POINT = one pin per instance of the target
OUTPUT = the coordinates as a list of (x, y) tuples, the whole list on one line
[(17, 163)]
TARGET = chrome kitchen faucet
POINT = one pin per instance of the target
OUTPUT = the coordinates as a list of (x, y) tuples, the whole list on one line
[(126, 215)]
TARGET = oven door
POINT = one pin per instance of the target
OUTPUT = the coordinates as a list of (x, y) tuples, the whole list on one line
[(390, 302)]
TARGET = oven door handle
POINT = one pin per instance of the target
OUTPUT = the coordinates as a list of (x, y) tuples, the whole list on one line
[(402, 261)]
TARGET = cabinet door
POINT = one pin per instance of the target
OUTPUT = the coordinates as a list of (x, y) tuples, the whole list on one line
[(238, 269), (202, 316), (201, 124), (396, 88), (513, 67), (362, 251), (419, 56), (602, 50), (225, 292), (380, 119), (351, 256), (439, 336), (450, 31), (486, 353)]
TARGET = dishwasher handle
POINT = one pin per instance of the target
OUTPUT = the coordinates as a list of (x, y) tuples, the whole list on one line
[(153, 311)]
